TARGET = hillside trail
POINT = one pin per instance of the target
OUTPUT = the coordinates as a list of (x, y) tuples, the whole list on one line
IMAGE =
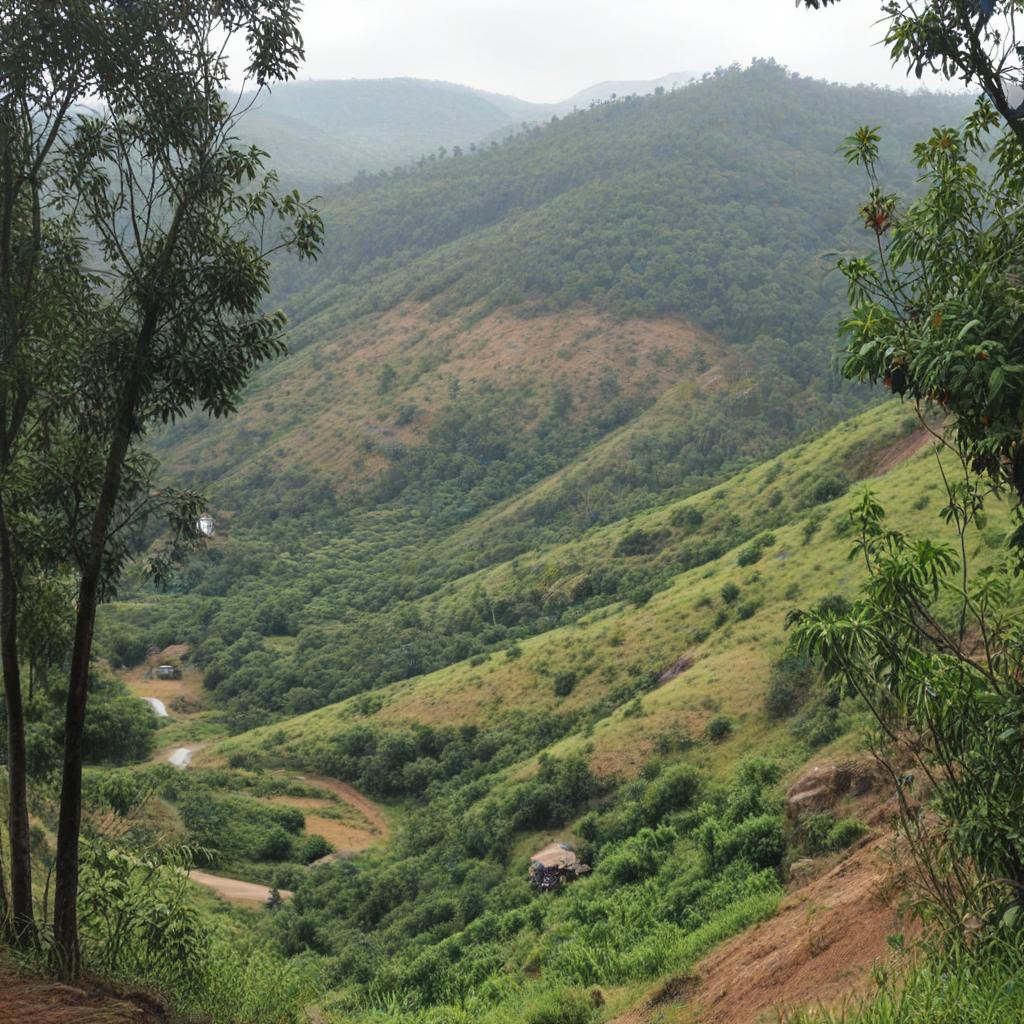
[(363, 804), (236, 891), (346, 839)]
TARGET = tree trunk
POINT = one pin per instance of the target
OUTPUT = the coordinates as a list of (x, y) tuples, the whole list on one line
[(65, 898), (67, 951), (22, 918)]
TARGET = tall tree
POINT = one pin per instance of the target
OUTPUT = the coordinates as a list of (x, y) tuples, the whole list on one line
[(43, 69), (181, 222)]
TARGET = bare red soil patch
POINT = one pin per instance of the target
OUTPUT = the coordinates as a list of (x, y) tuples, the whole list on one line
[(25, 999), (818, 949)]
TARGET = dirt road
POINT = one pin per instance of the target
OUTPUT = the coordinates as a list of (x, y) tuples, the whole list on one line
[(365, 806), (235, 891)]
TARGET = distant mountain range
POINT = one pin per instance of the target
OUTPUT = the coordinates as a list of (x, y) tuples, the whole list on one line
[(322, 133)]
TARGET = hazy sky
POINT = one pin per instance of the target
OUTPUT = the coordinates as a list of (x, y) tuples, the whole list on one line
[(548, 49)]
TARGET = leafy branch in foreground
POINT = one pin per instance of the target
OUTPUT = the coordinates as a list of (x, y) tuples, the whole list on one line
[(937, 652), (974, 41), (937, 314)]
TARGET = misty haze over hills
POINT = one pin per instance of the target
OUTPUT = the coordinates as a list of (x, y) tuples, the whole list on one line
[(322, 133)]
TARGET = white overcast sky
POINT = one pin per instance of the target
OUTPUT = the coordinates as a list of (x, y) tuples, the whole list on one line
[(546, 50)]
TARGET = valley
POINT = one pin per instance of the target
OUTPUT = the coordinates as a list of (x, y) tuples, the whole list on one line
[(581, 588)]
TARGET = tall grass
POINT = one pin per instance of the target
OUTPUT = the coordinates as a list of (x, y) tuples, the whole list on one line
[(985, 987)]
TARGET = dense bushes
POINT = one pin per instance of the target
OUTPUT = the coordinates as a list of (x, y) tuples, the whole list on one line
[(139, 924), (441, 921), (239, 828), (119, 729)]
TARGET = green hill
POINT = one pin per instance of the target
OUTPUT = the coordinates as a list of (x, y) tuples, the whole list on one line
[(499, 351), (640, 729), (508, 543), (323, 133)]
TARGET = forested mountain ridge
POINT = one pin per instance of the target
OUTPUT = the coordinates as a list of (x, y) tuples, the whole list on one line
[(714, 202), (324, 132), (500, 351)]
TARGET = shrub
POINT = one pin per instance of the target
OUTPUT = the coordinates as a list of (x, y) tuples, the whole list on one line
[(788, 685), (748, 556), (640, 856), (814, 833), (730, 592), (845, 833), (674, 789), (568, 1006), (747, 610), (687, 518), (313, 848), (565, 683), (759, 841), (719, 728), (828, 489), (641, 542)]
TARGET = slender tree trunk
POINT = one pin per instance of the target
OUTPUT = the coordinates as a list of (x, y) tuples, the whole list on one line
[(65, 897), (5, 903), (22, 919)]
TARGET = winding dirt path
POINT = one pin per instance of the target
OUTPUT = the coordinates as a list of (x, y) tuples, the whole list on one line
[(364, 805), (235, 891)]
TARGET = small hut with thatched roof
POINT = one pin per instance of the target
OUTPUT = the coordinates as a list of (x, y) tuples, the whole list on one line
[(555, 865)]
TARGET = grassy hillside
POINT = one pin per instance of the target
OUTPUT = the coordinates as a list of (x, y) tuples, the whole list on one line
[(498, 352), (640, 729)]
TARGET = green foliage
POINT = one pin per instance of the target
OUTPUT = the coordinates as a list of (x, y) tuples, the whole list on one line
[(565, 682), (788, 686), (719, 728), (687, 518), (140, 925), (674, 789), (313, 848), (822, 833), (916, 323), (730, 592), (239, 828), (965, 987), (906, 647), (641, 542), (120, 728), (568, 1006), (828, 489), (640, 856)]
